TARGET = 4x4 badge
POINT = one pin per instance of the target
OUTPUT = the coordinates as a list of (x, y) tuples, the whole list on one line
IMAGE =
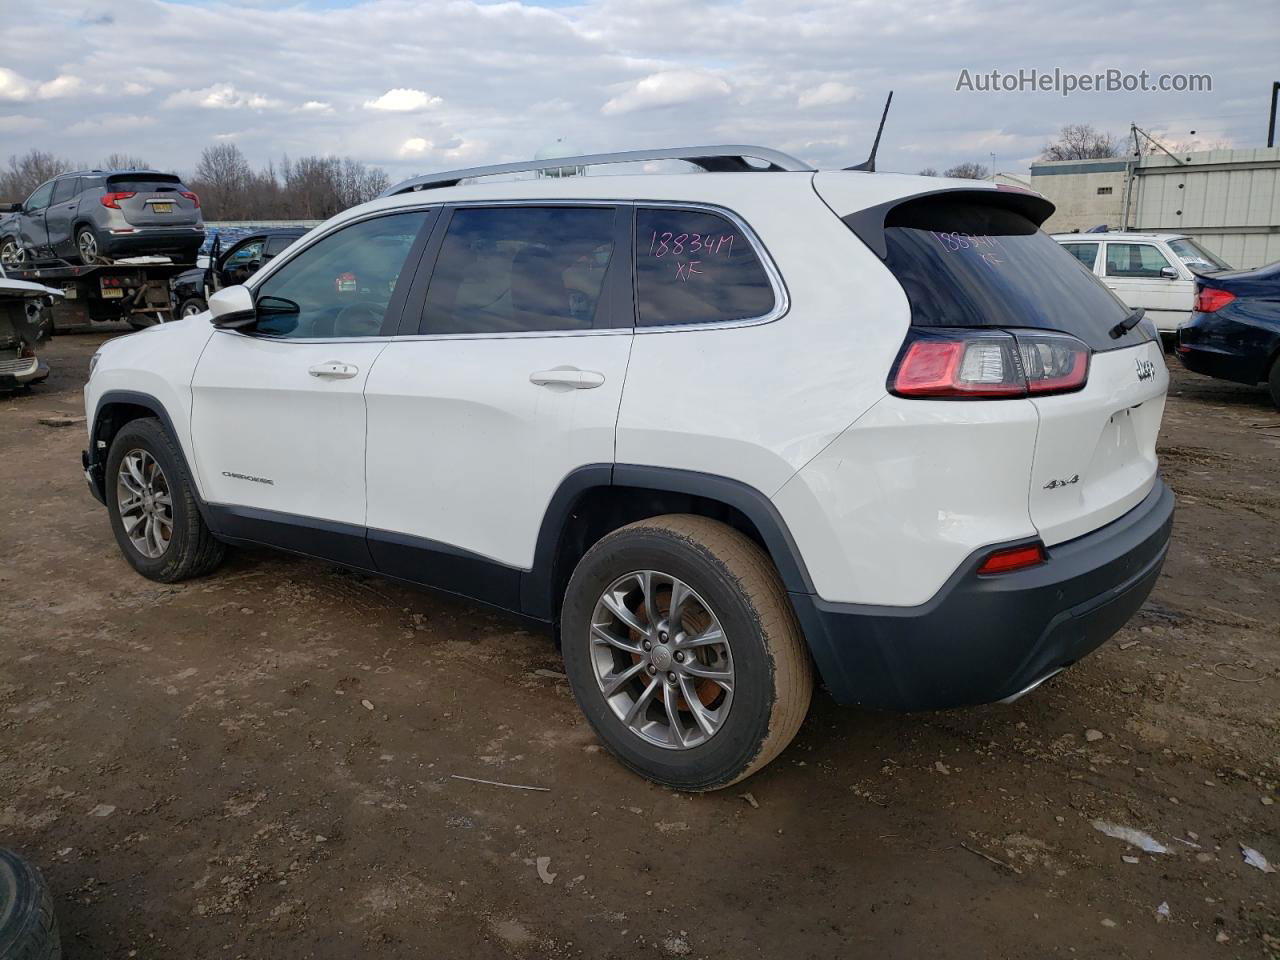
[(1055, 484), (1146, 370)]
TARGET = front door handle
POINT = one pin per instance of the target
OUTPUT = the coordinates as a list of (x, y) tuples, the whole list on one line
[(567, 377), (334, 370)]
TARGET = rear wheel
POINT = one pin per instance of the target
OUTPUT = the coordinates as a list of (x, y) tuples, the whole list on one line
[(153, 509), (683, 651), (87, 245)]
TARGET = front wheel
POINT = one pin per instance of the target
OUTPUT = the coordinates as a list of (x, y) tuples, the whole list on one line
[(684, 653), (151, 501), (12, 253), (191, 306)]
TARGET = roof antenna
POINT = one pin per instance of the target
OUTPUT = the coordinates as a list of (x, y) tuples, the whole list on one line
[(869, 165)]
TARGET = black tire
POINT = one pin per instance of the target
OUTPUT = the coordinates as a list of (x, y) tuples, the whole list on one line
[(1273, 382), (86, 238), (773, 675), (28, 928), (192, 550), (191, 306)]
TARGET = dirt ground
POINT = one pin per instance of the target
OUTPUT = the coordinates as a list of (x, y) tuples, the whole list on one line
[(260, 764)]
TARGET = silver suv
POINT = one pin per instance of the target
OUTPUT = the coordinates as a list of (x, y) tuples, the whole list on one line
[(94, 215)]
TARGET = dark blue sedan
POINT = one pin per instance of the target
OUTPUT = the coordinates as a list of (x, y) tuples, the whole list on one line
[(1234, 333)]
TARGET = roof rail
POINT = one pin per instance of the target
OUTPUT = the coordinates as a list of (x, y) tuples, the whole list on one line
[(719, 159)]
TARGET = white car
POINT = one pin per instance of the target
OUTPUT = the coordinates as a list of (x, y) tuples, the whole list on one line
[(722, 430), (1154, 271)]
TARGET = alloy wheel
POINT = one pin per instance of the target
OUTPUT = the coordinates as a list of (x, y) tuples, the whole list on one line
[(12, 253), (88, 246), (662, 660), (145, 503)]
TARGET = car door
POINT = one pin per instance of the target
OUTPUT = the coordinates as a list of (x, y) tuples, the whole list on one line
[(60, 215), (509, 380), (241, 261), (1133, 271), (31, 226), (278, 410)]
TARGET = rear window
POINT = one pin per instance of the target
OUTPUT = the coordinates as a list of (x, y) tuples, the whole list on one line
[(963, 263), (150, 183)]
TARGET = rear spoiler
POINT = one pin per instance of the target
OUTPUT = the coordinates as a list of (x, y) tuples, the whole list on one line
[(868, 223)]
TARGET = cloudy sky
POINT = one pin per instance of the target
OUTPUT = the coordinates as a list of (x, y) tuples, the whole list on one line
[(419, 85)]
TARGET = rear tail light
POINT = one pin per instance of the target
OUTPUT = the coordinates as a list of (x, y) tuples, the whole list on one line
[(111, 199), (1013, 558), (192, 197), (1209, 299), (954, 364)]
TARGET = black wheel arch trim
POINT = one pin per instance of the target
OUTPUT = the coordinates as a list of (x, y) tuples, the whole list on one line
[(95, 465)]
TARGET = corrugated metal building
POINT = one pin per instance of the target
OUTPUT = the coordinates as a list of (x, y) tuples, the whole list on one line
[(1229, 200)]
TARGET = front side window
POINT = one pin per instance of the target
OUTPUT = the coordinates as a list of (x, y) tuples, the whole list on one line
[(520, 269), (247, 254), (1135, 260), (40, 198), (341, 285), (696, 267), (1086, 253), (277, 245)]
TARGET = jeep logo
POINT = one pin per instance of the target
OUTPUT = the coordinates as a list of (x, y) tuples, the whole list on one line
[(1146, 370)]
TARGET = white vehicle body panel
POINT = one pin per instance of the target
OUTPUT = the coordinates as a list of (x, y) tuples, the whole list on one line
[(465, 450), (1168, 303), (270, 435)]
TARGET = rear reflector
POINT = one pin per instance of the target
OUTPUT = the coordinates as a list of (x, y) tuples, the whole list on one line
[(1209, 299), (965, 363), (110, 199), (1013, 558)]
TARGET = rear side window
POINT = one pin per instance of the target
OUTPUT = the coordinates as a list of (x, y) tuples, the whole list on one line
[(1086, 253), (964, 263), (145, 183), (1137, 260), (65, 189), (520, 269), (696, 267)]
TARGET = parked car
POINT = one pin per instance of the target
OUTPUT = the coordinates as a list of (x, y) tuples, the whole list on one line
[(95, 214), (720, 430), (1154, 271), (191, 290), (26, 321), (1235, 332)]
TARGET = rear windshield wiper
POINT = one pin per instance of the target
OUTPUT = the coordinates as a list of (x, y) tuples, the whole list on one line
[(1128, 323)]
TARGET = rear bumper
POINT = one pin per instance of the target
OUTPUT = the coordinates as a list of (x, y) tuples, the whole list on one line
[(152, 240), (987, 638), (12, 381), (1218, 345)]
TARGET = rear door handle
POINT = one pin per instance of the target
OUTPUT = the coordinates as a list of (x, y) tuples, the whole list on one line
[(334, 370), (568, 377)]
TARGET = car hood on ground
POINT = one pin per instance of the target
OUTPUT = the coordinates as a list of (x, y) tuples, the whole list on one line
[(20, 289)]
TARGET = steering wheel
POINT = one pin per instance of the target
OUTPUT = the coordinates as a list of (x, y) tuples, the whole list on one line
[(360, 319)]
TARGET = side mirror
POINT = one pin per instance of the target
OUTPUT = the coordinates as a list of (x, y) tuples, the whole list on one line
[(1168, 273), (232, 308)]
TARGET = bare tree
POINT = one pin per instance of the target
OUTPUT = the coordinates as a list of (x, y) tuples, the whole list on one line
[(968, 171), (929, 172), (124, 161), (1080, 141), (28, 171)]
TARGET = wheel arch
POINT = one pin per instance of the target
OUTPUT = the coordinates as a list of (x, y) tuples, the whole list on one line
[(595, 500), (116, 409)]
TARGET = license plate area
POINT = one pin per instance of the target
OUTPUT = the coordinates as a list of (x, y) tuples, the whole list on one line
[(166, 207)]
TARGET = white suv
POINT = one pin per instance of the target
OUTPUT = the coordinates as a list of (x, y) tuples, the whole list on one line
[(723, 430)]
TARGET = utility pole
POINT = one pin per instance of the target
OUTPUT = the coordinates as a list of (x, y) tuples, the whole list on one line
[(1271, 127)]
